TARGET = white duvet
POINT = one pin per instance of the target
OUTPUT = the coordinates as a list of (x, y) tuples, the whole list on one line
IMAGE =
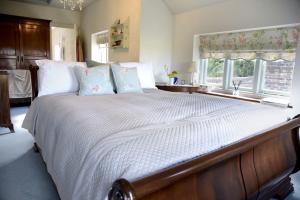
[(89, 142)]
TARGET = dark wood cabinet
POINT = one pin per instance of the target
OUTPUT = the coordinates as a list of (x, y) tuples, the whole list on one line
[(22, 41), (34, 42), (9, 44), (5, 120)]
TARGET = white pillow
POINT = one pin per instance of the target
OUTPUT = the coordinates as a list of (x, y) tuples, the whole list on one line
[(57, 77), (145, 73)]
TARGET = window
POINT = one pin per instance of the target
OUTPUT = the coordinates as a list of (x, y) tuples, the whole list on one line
[(215, 72), (278, 76), (100, 47), (260, 61), (103, 53), (256, 76), (243, 71)]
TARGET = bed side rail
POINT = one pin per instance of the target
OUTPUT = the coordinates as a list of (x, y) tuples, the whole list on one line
[(239, 158)]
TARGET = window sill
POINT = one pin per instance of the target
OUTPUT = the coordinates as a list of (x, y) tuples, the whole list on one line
[(274, 101), (226, 95), (281, 102)]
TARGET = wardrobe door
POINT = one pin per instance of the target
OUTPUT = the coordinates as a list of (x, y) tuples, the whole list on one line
[(34, 42), (9, 44)]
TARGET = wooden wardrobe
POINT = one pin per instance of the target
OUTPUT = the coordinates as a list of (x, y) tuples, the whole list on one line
[(22, 41)]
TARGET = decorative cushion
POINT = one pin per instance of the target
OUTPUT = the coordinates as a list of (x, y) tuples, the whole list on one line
[(57, 77), (91, 63), (94, 81), (126, 79), (145, 73)]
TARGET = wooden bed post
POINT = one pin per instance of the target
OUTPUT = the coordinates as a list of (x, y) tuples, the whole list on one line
[(296, 140), (255, 168), (121, 189), (34, 81)]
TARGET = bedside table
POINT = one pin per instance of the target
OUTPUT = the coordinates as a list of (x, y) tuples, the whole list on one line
[(5, 120), (180, 88)]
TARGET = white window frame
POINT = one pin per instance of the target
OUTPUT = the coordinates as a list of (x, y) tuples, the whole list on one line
[(203, 73), (230, 76), (258, 82), (105, 48), (95, 48)]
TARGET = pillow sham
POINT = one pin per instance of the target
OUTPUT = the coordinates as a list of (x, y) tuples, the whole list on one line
[(145, 73), (94, 81), (126, 79), (57, 77)]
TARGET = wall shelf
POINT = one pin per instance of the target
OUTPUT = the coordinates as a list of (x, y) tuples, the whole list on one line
[(119, 35)]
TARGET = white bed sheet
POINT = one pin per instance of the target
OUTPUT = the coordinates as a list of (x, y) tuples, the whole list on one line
[(89, 142)]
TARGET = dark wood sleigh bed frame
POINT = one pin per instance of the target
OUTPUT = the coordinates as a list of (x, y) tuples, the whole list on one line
[(255, 168)]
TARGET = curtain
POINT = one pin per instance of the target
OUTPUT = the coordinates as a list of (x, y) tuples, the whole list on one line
[(79, 50), (102, 38), (268, 44)]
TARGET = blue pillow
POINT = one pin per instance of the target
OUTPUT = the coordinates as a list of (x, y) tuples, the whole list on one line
[(94, 81), (126, 79)]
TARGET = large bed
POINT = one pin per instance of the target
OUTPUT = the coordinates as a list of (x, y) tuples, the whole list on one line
[(162, 145), (159, 145)]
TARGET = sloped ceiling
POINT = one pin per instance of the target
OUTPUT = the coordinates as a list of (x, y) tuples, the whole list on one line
[(179, 6), (54, 3)]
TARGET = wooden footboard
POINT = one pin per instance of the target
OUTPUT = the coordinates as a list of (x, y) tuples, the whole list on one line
[(256, 168)]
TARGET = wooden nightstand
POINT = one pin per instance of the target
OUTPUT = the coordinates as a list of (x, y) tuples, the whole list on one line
[(5, 120), (180, 88), (199, 89)]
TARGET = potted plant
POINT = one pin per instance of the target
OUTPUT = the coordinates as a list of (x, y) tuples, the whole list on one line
[(173, 79)]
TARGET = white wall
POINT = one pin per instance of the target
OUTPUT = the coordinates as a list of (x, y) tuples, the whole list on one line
[(227, 16), (101, 14), (60, 17), (295, 100), (156, 36)]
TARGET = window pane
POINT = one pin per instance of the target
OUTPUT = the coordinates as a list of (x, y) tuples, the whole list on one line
[(103, 53), (215, 71), (243, 70), (278, 75)]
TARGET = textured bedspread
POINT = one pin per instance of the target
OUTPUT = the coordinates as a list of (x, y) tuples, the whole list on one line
[(89, 142)]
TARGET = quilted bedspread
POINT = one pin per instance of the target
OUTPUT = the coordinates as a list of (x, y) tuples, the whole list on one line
[(89, 142)]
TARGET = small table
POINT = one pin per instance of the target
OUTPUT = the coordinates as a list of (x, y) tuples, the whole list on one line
[(180, 88), (198, 89)]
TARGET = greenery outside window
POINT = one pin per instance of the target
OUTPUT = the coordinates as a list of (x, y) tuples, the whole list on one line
[(243, 70), (215, 72)]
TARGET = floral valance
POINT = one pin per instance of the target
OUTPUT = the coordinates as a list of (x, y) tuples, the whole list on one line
[(267, 44), (102, 39)]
